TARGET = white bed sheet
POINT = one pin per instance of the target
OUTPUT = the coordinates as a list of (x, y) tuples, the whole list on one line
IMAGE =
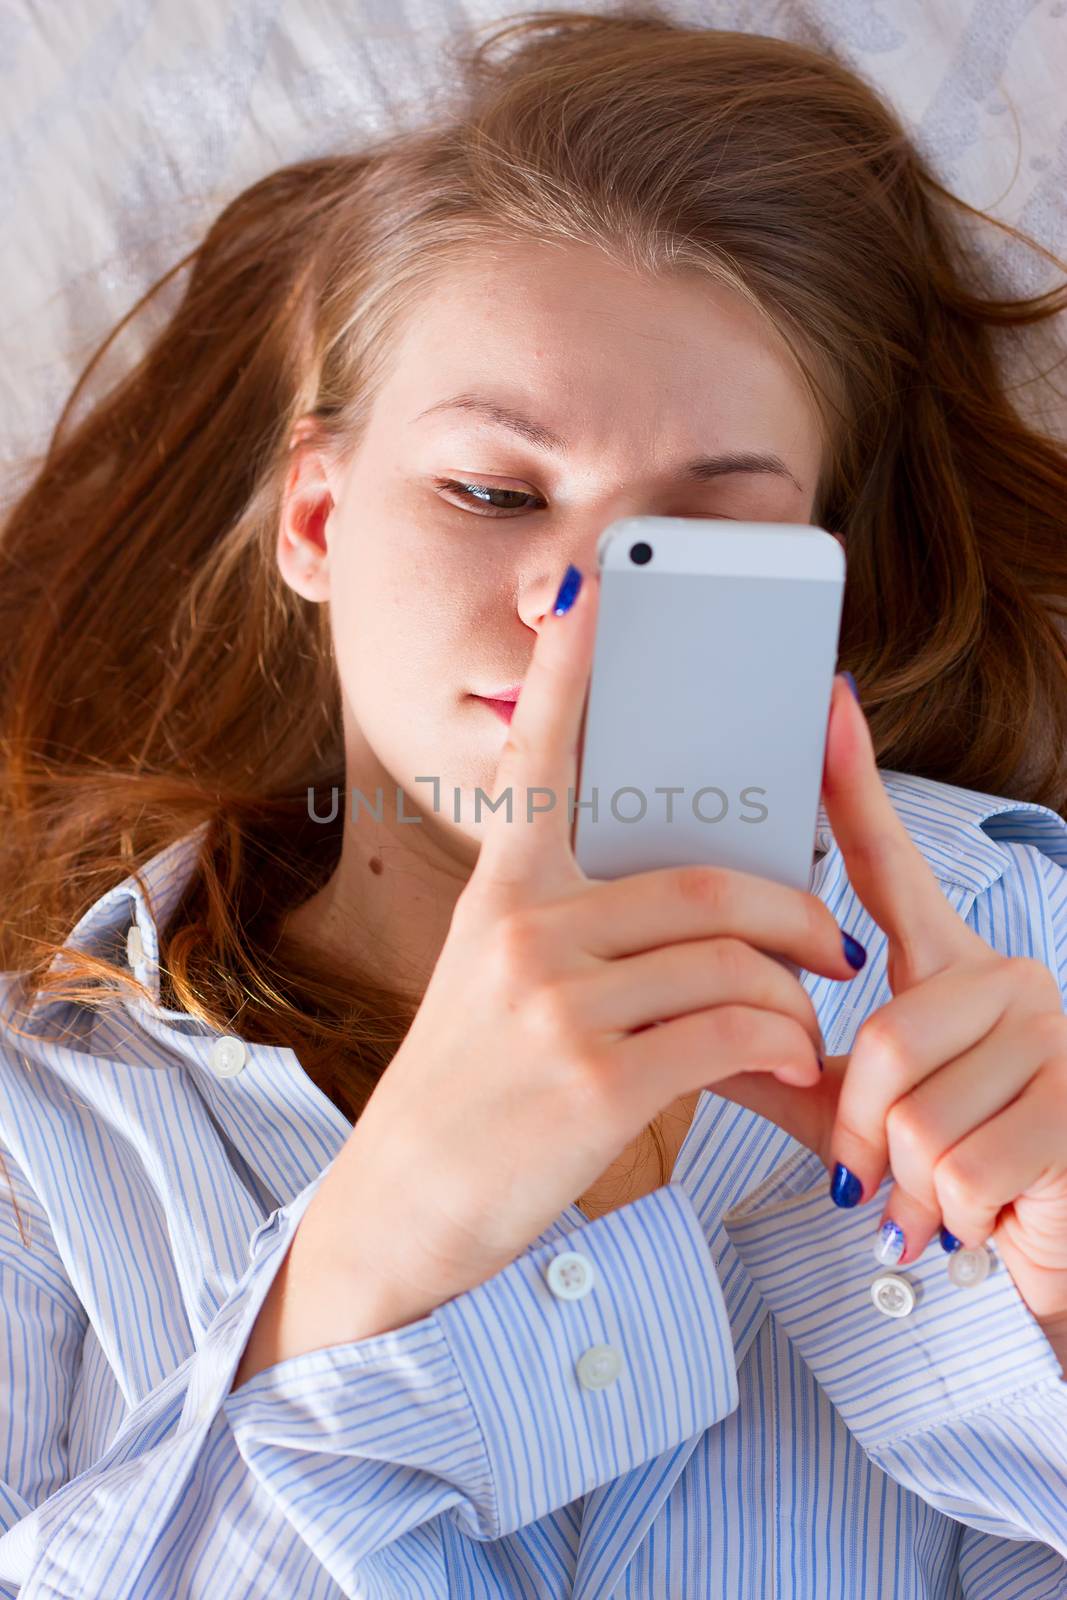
[(128, 123)]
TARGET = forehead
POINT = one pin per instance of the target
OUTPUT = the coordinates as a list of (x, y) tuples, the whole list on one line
[(573, 297), (592, 343)]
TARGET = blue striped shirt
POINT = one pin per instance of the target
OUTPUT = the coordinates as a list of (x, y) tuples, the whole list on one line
[(764, 1431)]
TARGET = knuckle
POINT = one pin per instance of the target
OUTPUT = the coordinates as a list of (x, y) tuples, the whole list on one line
[(874, 852), (550, 1009), (708, 887), (906, 1130), (1033, 977), (957, 1185), (518, 942), (590, 1085), (1048, 1032), (879, 1036), (516, 748), (735, 1027), (733, 961)]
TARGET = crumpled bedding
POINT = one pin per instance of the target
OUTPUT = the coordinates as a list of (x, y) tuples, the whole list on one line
[(129, 123)]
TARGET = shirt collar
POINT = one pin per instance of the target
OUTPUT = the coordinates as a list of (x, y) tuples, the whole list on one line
[(105, 929), (956, 830)]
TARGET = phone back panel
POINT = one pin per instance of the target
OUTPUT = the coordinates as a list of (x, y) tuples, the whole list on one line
[(712, 672)]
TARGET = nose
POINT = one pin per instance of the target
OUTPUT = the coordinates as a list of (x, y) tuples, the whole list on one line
[(537, 595)]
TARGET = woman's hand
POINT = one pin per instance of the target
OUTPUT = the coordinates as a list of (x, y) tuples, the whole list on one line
[(958, 1085), (532, 1063)]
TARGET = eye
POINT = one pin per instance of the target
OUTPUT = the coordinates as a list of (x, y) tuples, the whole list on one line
[(474, 491)]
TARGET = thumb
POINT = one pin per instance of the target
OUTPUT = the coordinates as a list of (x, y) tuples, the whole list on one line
[(807, 1113), (526, 843)]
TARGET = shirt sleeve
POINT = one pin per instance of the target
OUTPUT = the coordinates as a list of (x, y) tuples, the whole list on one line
[(1010, 1569), (962, 1400), (505, 1403), (42, 1327)]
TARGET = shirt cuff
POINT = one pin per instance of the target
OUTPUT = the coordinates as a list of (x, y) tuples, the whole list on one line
[(581, 1359), (957, 1349)]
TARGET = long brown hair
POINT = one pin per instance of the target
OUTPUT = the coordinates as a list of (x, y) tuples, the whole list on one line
[(157, 671)]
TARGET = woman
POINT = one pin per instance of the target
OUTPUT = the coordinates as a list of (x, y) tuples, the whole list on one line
[(352, 1268)]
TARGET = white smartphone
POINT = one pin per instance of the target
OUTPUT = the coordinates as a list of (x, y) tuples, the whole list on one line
[(704, 729)]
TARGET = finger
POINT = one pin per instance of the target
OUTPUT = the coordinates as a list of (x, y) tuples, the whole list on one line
[(1018, 1153), (678, 978), (694, 1051), (1028, 1230), (899, 1046), (623, 916), (528, 836), (804, 1111), (930, 1122), (885, 867)]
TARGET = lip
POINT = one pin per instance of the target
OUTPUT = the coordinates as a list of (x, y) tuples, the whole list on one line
[(503, 708), (511, 693)]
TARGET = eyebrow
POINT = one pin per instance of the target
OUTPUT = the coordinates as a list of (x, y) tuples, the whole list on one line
[(703, 468)]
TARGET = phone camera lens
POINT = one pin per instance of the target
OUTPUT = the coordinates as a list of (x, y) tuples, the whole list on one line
[(640, 554)]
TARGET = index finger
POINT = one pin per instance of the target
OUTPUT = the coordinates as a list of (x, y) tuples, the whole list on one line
[(889, 873), (527, 838)]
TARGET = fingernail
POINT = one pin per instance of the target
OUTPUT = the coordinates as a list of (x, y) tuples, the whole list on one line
[(568, 590), (855, 954), (889, 1245), (845, 1187), (949, 1241), (850, 680)]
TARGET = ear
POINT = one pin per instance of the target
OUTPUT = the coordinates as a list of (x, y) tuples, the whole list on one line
[(308, 500)]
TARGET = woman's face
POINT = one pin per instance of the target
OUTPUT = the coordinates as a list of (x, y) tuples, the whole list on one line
[(436, 593)]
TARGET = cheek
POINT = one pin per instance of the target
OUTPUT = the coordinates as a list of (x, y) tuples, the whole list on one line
[(415, 617), (395, 635)]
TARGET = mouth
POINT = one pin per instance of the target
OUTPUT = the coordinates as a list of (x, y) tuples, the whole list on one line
[(504, 709)]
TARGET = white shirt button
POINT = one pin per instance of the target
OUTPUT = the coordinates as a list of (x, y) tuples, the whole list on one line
[(892, 1294), (598, 1366), (134, 946), (228, 1055), (570, 1275), (968, 1268)]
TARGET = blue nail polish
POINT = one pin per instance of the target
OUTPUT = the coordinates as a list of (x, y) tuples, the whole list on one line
[(568, 590), (850, 680), (949, 1241), (845, 1188), (889, 1245), (855, 954)]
